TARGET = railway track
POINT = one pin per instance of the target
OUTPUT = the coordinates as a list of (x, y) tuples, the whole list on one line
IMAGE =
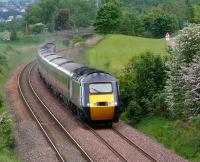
[(27, 72), (52, 129), (134, 145), (120, 155)]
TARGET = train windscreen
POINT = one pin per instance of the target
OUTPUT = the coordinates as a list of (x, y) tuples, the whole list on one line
[(100, 88)]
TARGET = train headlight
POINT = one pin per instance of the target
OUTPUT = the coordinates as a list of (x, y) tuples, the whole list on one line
[(88, 104)]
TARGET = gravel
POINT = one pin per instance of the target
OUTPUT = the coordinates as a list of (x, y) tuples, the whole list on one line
[(158, 151), (31, 144)]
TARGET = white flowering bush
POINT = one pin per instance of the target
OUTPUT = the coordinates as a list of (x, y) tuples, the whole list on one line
[(183, 84), (191, 78)]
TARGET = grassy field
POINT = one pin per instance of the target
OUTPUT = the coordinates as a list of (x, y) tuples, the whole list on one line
[(114, 51), (18, 52)]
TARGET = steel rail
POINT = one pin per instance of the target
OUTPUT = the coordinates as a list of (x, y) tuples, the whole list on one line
[(34, 116), (120, 156), (134, 145), (57, 121)]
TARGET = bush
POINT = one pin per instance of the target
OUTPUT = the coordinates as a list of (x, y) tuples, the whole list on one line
[(134, 111), (66, 41), (143, 78), (7, 138), (183, 92), (159, 104), (13, 35), (38, 28), (78, 41)]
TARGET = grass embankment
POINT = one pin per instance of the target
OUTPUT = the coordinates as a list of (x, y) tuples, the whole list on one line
[(181, 137), (115, 51), (16, 52), (112, 54)]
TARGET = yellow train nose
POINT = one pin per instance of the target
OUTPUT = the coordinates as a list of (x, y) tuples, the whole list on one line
[(102, 106)]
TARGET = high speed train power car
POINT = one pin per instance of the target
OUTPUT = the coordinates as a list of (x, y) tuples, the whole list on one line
[(91, 93)]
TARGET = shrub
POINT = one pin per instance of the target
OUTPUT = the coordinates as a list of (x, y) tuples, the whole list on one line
[(143, 78), (159, 104), (38, 28), (134, 111), (183, 83), (66, 41), (7, 138), (13, 35)]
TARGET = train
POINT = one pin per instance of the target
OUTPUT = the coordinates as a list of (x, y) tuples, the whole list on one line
[(92, 94)]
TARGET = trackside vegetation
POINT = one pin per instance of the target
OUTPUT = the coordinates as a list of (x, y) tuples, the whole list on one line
[(12, 54)]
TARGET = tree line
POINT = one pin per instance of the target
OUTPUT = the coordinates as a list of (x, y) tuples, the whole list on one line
[(160, 17)]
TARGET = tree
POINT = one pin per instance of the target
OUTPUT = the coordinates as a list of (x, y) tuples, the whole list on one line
[(108, 18), (182, 84), (33, 14), (131, 24), (61, 20), (82, 12), (158, 22), (196, 14), (182, 9)]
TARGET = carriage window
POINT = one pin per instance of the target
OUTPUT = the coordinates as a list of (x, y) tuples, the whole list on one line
[(100, 88)]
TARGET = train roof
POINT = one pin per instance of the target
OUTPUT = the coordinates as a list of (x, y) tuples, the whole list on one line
[(71, 66), (76, 70)]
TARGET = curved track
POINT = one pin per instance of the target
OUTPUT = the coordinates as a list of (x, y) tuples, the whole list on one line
[(52, 129), (25, 83)]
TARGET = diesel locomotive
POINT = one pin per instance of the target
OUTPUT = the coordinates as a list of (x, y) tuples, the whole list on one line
[(91, 93)]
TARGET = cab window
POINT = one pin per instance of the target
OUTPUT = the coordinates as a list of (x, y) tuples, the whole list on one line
[(100, 88)]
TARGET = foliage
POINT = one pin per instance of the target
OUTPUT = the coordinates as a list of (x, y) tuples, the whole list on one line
[(158, 22), (61, 20), (78, 41), (37, 28), (143, 78), (108, 18), (182, 9), (196, 14), (182, 95), (142, 5), (82, 13), (7, 138), (134, 111), (13, 35), (131, 24), (33, 14), (180, 136)]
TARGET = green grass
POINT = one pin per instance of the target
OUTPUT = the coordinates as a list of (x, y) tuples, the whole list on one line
[(115, 51), (181, 137)]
